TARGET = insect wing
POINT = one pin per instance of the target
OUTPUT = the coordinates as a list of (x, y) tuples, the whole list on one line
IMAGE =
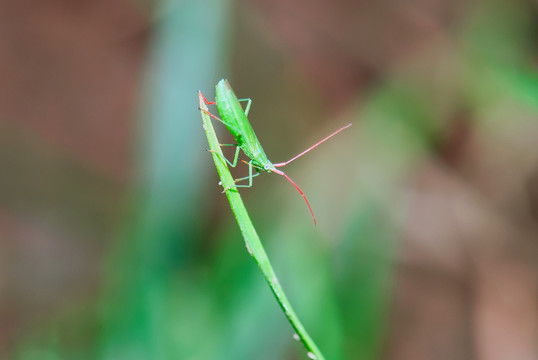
[(233, 114)]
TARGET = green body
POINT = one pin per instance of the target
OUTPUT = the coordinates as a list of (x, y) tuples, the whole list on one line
[(233, 116)]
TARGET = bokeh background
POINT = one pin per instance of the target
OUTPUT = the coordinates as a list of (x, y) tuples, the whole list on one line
[(116, 242)]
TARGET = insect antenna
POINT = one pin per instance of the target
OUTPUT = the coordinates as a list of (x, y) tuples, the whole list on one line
[(279, 172), (312, 147)]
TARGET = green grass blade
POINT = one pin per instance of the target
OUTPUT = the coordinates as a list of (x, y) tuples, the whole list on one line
[(252, 241)]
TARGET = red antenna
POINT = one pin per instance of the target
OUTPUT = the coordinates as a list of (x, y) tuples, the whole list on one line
[(312, 147), (279, 172)]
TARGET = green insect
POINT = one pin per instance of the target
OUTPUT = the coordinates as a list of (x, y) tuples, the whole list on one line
[(235, 119)]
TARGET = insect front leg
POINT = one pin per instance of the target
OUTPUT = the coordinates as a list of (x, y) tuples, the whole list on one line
[(249, 177)]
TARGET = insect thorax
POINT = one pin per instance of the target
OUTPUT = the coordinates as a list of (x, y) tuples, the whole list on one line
[(259, 160)]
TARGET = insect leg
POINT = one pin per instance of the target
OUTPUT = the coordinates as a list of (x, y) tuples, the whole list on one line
[(216, 118), (245, 178), (248, 105), (236, 156), (214, 102), (206, 101), (213, 116), (249, 177)]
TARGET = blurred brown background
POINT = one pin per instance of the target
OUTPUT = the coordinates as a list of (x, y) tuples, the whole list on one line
[(454, 175)]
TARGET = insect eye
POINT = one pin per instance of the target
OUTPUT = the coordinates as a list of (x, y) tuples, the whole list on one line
[(266, 167)]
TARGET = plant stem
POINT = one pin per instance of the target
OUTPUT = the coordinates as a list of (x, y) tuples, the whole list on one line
[(252, 241)]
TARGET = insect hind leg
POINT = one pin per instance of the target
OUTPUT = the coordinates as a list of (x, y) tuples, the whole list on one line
[(206, 101), (218, 119)]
